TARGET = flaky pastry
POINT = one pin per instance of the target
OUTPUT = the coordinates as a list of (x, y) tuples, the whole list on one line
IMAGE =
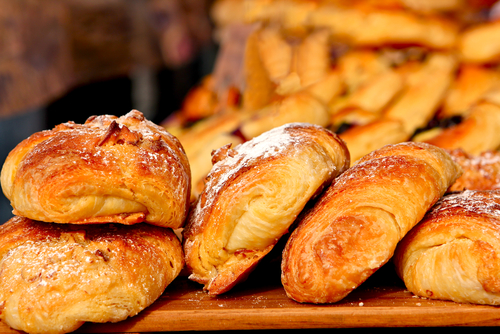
[(124, 170), (252, 195), (353, 229), (55, 277), (452, 254)]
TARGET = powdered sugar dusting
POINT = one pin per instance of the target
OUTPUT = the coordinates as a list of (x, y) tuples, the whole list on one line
[(267, 145), (486, 203)]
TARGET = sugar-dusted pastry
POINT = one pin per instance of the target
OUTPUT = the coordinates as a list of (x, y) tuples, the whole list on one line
[(353, 229), (124, 170), (480, 172), (453, 253), (55, 277), (251, 197)]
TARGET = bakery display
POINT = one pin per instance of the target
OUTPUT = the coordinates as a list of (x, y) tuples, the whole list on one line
[(452, 253), (110, 169), (333, 127), (355, 226), (55, 277), (252, 195)]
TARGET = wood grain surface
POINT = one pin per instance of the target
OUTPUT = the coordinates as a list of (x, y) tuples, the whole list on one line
[(261, 303)]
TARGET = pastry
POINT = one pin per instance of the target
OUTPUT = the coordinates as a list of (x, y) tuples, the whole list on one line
[(123, 170), (353, 229), (479, 131), (480, 172), (55, 277), (452, 254), (252, 195)]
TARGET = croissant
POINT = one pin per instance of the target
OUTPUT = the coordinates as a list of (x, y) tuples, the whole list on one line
[(353, 229), (123, 170), (452, 254), (55, 277), (251, 197)]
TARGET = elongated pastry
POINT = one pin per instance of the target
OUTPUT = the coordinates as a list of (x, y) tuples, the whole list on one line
[(354, 228), (452, 254), (55, 277), (252, 195), (123, 170)]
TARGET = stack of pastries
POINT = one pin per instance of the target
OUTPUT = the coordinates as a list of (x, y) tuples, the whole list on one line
[(356, 147), (92, 238)]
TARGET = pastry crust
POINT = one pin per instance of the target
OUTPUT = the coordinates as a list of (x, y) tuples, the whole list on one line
[(355, 226), (55, 277), (123, 170), (251, 197), (481, 172), (478, 132), (452, 254)]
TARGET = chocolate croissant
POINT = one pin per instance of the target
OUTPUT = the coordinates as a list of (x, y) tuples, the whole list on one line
[(252, 195), (55, 277), (453, 253), (122, 170), (353, 229)]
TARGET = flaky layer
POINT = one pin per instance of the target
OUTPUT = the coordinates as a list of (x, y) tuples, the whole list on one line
[(453, 254), (252, 195), (355, 226), (55, 277), (124, 170)]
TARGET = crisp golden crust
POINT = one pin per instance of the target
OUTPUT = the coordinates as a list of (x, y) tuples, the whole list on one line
[(481, 172), (252, 195), (55, 277), (124, 170), (452, 253), (354, 227)]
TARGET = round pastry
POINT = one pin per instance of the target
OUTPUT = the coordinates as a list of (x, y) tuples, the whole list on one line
[(123, 170), (252, 195), (55, 277), (452, 254)]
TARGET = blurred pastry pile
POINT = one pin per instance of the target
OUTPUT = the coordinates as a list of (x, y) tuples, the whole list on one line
[(374, 72)]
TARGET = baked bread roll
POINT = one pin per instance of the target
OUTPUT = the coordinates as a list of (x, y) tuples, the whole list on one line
[(122, 170), (55, 277), (480, 172), (354, 228), (252, 195), (452, 254)]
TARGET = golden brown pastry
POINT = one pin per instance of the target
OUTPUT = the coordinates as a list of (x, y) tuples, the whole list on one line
[(480, 43), (353, 229), (478, 132), (480, 172), (123, 170), (252, 195), (363, 139), (55, 277), (452, 254)]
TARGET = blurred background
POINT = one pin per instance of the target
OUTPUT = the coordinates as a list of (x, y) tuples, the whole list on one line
[(217, 72), (63, 60)]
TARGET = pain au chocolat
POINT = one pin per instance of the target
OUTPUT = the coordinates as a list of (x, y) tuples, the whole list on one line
[(353, 229), (252, 195), (453, 253), (110, 169), (55, 277)]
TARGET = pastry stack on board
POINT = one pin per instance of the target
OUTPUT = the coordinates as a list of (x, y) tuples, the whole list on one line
[(92, 238)]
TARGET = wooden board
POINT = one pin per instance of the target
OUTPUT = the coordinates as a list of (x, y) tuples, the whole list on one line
[(261, 303)]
